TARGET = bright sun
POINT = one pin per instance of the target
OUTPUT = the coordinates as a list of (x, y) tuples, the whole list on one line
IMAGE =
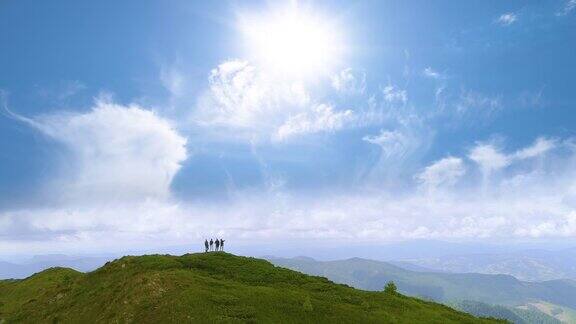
[(292, 42)]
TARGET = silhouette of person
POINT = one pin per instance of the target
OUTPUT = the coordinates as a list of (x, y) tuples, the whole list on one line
[(221, 245), (217, 245), (211, 243), (206, 246)]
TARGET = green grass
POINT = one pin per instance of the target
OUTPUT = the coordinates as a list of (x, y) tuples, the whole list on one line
[(205, 288)]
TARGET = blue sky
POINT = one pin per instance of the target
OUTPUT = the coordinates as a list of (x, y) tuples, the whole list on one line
[(155, 123)]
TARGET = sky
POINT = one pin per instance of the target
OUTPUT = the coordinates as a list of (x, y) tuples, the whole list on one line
[(148, 124)]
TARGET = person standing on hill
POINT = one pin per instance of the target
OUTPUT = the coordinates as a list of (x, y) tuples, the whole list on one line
[(221, 245), (211, 243), (205, 246), (217, 245)]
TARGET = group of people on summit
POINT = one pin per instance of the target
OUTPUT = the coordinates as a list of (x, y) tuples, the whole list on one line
[(219, 243)]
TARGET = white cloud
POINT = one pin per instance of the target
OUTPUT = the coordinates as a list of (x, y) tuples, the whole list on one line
[(507, 19), (540, 147), (113, 186), (399, 155), (241, 96), (544, 207), (319, 119), (117, 152), (246, 102), (443, 172), (349, 81), (491, 159)]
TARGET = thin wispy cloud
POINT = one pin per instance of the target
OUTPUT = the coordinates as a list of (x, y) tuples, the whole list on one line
[(321, 118), (349, 81), (433, 74), (568, 7), (507, 19)]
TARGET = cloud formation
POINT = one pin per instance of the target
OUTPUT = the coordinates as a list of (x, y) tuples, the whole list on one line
[(321, 118), (394, 95), (246, 101), (241, 96), (536, 200), (116, 152), (443, 172)]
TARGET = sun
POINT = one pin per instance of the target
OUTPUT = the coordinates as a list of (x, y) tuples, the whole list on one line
[(292, 41)]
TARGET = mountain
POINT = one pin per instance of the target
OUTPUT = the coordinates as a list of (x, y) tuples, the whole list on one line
[(528, 265), (212, 287), (442, 287), (38, 263)]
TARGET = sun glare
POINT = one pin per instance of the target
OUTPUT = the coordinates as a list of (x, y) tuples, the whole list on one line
[(292, 42)]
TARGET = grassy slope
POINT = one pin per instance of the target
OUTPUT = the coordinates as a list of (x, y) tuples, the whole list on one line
[(204, 288)]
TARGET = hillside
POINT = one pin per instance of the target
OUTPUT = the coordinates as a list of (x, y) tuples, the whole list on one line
[(205, 288), (441, 287)]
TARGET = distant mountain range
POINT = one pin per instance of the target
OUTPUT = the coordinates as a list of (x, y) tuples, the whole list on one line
[(528, 265), (443, 287)]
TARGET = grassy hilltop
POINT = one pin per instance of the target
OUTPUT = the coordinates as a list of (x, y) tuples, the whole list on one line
[(213, 287)]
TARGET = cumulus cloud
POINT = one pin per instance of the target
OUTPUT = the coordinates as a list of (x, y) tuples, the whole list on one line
[(117, 152), (113, 185), (349, 81), (507, 19)]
